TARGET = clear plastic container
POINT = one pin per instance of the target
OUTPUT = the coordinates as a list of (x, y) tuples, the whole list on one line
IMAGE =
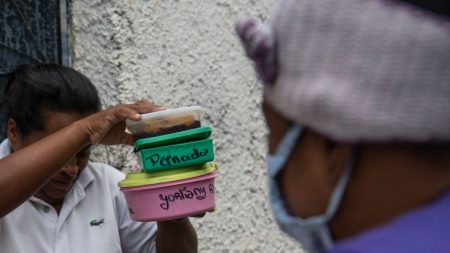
[(166, 122)]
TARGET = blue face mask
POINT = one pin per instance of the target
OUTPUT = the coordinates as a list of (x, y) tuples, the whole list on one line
[(312, 232)]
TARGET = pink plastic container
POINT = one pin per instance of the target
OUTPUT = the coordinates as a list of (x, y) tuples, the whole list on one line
[(171, 200)]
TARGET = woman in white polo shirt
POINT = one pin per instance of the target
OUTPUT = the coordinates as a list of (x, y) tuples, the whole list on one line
[(52, 198)]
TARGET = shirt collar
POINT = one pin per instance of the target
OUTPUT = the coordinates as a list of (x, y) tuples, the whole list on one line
[(86, 176), (5, 148)]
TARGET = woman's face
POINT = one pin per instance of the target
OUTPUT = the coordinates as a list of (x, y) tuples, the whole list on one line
[(54, 191), (304, 181)]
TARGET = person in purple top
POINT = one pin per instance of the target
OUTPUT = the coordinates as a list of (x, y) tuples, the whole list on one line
[(357, 103)]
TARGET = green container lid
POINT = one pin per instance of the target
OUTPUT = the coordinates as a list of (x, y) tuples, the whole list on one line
[(164, 176), (176, 156), (179, 137)]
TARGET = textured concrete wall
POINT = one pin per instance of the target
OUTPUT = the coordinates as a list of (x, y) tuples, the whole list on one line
[(181, 53)]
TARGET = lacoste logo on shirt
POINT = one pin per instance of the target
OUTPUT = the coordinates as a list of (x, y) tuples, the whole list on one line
[(97, 222)]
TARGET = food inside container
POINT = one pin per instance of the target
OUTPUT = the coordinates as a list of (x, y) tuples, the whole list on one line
[(166, 122)]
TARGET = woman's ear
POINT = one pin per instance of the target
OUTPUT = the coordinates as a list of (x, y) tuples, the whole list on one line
[(339, 155), (13, 134)]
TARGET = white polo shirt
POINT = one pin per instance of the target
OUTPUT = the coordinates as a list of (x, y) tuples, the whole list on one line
[(94, 218)]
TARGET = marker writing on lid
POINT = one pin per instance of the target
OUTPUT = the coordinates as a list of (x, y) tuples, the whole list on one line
[(169, 160)]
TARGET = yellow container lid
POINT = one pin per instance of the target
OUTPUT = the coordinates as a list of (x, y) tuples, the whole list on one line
[(164, 176)]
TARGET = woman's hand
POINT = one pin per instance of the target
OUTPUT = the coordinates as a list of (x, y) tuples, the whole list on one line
[(108, 126)]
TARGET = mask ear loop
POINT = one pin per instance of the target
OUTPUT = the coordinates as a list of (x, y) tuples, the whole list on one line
[(284, 149), (339, 189), (335, 199), (287, 145), (259, 44), (333, 205)]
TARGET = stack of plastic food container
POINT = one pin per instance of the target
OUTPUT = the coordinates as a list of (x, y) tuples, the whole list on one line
[(176, 156)]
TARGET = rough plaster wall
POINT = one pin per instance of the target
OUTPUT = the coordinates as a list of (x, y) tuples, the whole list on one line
[(181, 53)]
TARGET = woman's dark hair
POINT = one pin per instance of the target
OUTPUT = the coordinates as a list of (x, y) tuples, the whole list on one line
[(48, 87), (441, 7)]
